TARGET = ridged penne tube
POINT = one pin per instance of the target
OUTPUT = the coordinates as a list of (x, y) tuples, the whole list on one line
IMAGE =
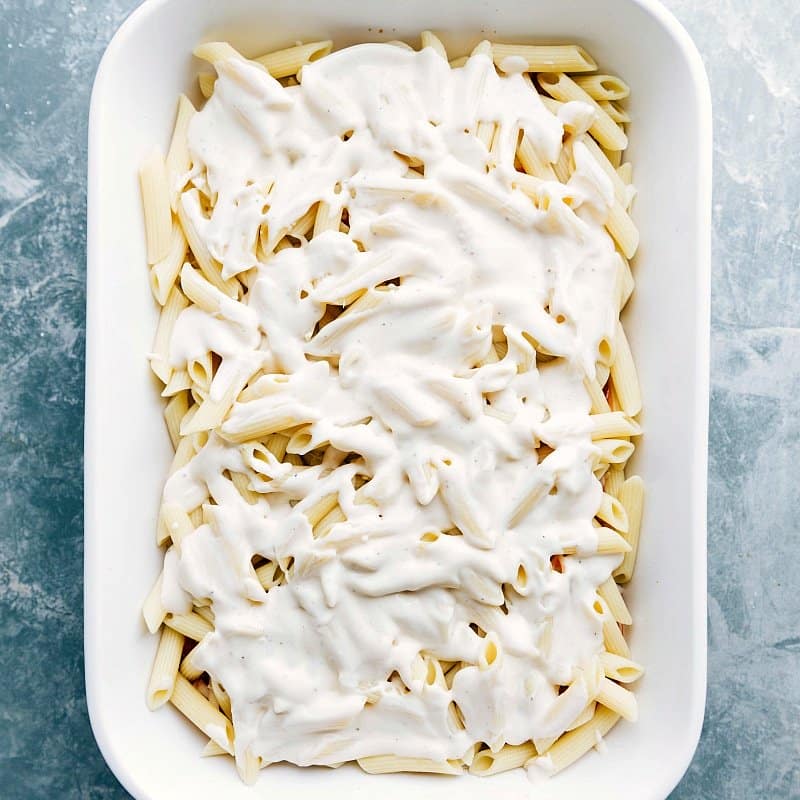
[(214, 409), (179, 161), (165, 668), (596, 396), (189, 668), (623, 230), (625, 282), (613, 401), (620, 190), (242, 484), (175, 523), (379, 765), (603, 87), (533, 187), (184, 453), (510, 756), (196, 708), (615, 111), (321, 508), (564, 165), (572, 745), (261, 424), (545, 57), (178, 381), (327, 218), (304, 224), (164, 272), (191, 625), (613, 639), (624, 376), (333, 517), (614, 451), (283, 63), (200, 291), (485, 132), (625, 172), (491, 652), (613, 425), (618, 699), (157, 211), (612, 597), (604, 129), (206, 612), (528, 502), (222, 698), (200, 371), (614, 156), (459, 62), (217, 51), (206, 82), (302, 441), (620, 669), (631, 497), (159, 358), (430, 39), (613, 480), (268, 574), (608, 541), (174, 412), (613, 512), (153, 609), (531, 162), (208, 266)]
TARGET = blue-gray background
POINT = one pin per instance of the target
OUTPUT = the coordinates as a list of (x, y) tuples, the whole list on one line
[(751, 739)]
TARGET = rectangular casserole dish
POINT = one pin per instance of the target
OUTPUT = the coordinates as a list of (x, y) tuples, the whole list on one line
[(127, 449)]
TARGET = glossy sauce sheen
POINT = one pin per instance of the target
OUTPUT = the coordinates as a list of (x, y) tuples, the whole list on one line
[(445, 434)]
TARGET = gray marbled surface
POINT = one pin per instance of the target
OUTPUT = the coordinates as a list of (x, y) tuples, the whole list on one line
[(751, 739)]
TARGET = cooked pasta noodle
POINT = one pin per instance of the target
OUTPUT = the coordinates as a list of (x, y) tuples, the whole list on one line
[(401, 416)]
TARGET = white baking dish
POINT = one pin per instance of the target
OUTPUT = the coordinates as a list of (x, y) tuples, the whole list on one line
[(127, 450)]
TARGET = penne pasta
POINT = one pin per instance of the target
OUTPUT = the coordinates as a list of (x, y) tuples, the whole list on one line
[(378, 765), (201, 713), (545, 58), (612, 597), (430, 39), (191, 625), (380, 441), (623, 374), (618, 699), (179, 161), (282, 63), (620, 669), (603, 87), (604, 129), (571, 746), (164, 273), (631, 498), (487, 763), (165, 668), (157, 213), (153, 609)]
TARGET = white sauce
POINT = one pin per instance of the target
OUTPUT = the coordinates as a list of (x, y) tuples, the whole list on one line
[(407, 386)]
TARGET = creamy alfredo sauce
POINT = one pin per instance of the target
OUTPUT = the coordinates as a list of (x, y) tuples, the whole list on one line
[(438, 546)]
